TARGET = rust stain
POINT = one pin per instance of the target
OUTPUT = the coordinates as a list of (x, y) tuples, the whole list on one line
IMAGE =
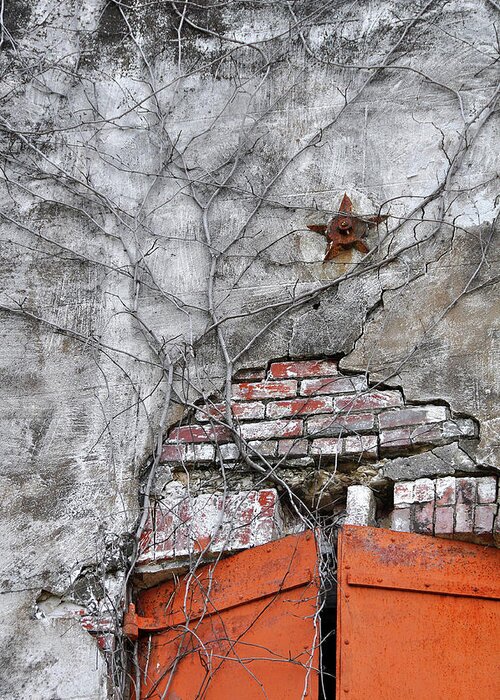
[(345, 230)]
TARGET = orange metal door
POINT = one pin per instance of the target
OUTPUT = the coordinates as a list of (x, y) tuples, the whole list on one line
[(244, 627), (418, 618)]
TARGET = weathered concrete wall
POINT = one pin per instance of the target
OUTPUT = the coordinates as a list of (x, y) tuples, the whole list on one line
[(161, 164)]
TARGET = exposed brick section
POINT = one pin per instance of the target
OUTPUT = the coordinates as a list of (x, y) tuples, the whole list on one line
[(307, 368), (333, 385), (264, 390), (464, 520), (357, 446), (466, 490), (464, 508), (229, 452), (295, 407), (334, 415), (370, 400), (340, 424), (209, 524), (210, 411)]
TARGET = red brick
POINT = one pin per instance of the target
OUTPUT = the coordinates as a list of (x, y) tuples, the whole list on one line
[(267, 515), (362, 446), (264, 520), (423, 518), (249, 410), (443, 520), (200, 433), (173, 453), (256, 374), (265, 390), (307, 368), (207, 411), (426, 435), (486, 489), (279, 409), (370, 400), (341, 424), (166, 523), (401, 520), (484, 518), (459, 427), (412, 416), (263, 448), (229, 452), (404, 492), (267, 500), (398, 438), (326, 446), (271, 429), (424, 490), (445, 491), (361, 506), (201, 452), (243, 515), (464, 518), (333, 385), (293, 448), (466, 490), (184, 452)]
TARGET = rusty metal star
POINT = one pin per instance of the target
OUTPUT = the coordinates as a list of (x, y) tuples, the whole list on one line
[(345, 230)]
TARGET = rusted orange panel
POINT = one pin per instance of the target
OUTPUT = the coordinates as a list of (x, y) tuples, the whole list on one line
[(418, 617), (242, 628)]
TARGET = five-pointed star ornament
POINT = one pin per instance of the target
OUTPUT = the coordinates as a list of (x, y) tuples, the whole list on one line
[(344, 231)]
